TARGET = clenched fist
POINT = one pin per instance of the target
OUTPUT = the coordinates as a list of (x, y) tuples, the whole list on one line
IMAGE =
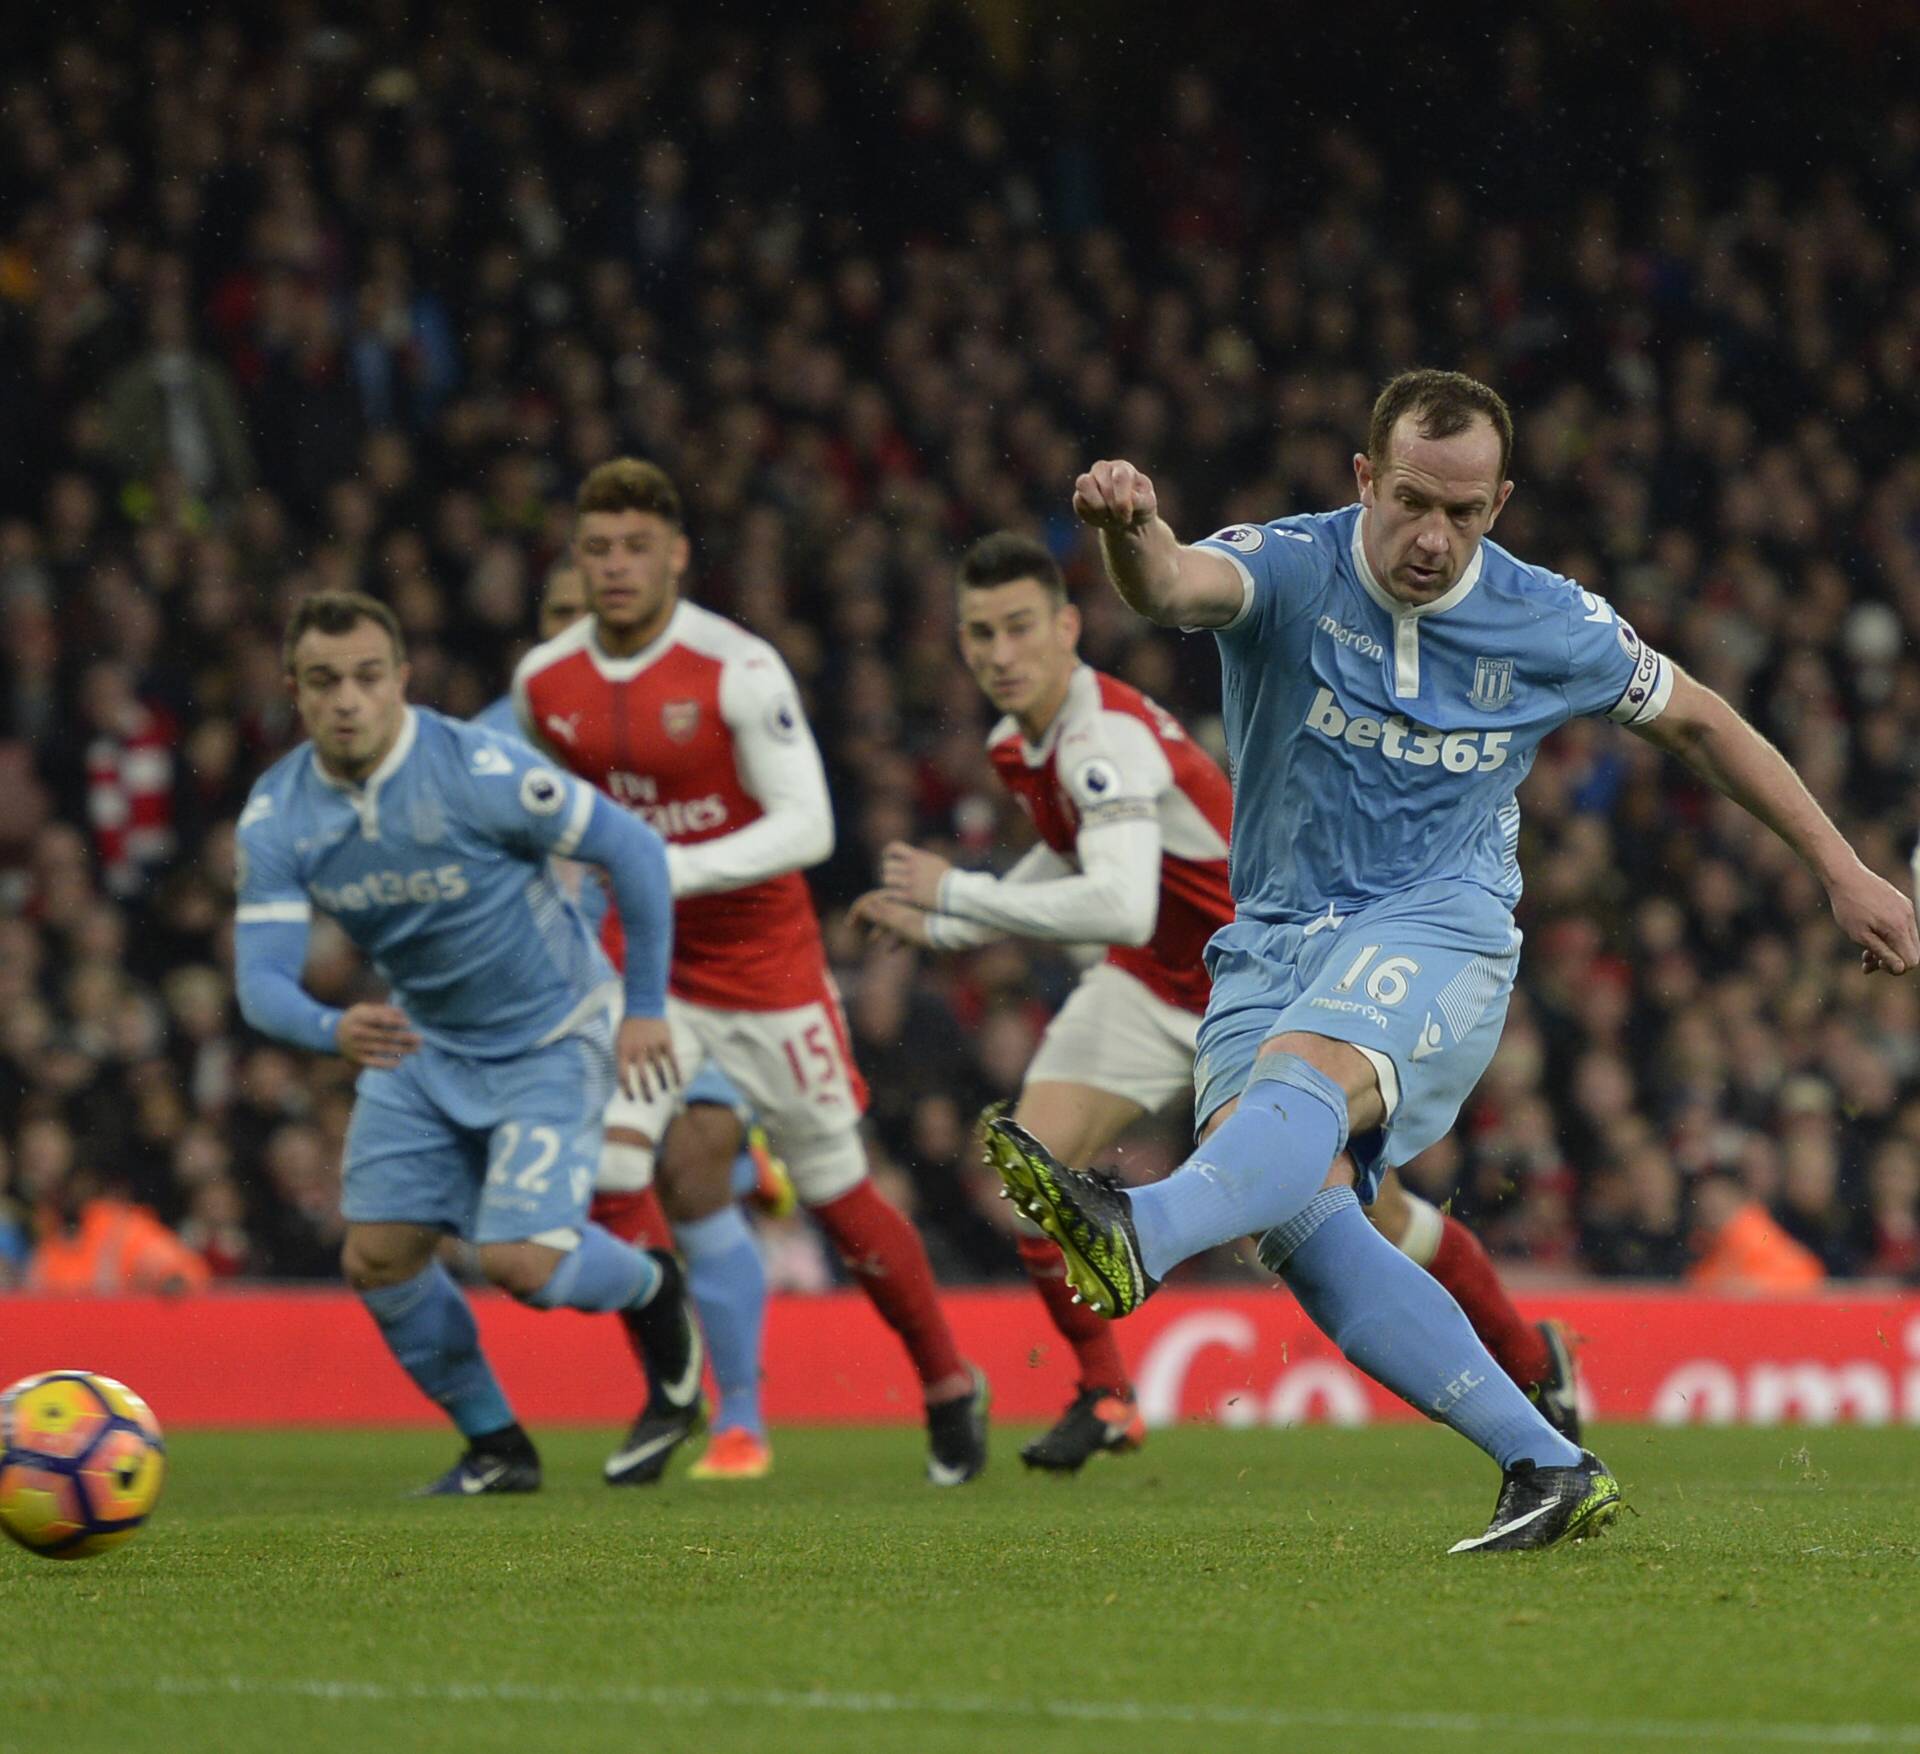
[(1114, 495)]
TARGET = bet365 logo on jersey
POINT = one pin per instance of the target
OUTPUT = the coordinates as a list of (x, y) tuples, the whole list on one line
[(1398, 740), (392, 889)]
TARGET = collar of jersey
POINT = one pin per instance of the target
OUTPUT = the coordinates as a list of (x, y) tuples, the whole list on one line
[(1033, 754), (1393, 605), (625, 669), (368, 787)]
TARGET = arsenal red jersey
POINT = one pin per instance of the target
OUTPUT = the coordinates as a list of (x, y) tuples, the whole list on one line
[(702, 735), (1112, 750)]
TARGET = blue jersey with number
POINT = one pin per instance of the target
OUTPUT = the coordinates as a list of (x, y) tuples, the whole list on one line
[(436, 867), (1376, 746)]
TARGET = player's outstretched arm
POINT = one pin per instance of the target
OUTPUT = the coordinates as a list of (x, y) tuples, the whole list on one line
[(908, 872), (1113, 898), (1168, 584), (1730, 755)]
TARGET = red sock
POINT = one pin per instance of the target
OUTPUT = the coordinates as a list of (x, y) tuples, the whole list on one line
[(885, 1254), (636, 1218), (1090, 1335), (1462, 1266)]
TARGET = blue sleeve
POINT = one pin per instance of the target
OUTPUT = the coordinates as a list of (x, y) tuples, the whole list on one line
[(270, 924), (635, 861), (268, 958), (1282, 568), (1610, 669)]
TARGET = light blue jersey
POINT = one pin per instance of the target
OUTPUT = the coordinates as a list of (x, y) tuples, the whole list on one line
[(1375, 751), (1376, 746), (436, 867), (500, 718)]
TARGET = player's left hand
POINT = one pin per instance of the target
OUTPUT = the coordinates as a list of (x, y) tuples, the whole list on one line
[(889, 920), (643, 1058), (1879, 918), (912, 875)]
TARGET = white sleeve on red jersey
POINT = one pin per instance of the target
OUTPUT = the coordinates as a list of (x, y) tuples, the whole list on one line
[(779, 765), (1038, 864), (1114, 770)]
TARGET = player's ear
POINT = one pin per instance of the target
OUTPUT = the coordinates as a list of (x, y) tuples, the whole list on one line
[(405, 674), (682, 556), (1499, 502), (1068, 622), (1363, 477)]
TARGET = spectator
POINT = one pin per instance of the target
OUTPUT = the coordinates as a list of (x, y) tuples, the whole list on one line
[(1740, 1248), (93, 1241)]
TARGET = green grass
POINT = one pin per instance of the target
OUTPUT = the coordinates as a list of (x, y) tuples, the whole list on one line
[(1222, 1591)]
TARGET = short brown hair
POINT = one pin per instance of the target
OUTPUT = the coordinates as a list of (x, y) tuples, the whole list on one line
[(340, 612), (1445, 403), (629, 484), (1006, 555)]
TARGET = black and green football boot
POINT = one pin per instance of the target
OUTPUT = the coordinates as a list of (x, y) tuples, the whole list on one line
[(1541, 1507), (1089, 1216)]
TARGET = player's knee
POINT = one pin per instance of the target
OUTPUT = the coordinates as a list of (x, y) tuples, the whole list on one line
[(696, 1162), (520, 1269), (370, 1262), (824, 1169)]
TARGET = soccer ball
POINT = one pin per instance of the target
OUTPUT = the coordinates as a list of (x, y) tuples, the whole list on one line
[(81, 1461)]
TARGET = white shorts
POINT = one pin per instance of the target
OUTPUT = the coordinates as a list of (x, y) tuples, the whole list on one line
[(1117, 1035), (793, 1067)]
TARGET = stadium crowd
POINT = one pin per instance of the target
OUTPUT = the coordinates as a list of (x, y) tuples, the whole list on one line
[(285, 306)]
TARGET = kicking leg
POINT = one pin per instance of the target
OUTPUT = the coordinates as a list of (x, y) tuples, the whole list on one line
[(1268, 1166)]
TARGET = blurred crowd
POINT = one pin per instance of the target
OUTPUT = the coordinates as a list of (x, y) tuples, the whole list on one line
[(286, 305)]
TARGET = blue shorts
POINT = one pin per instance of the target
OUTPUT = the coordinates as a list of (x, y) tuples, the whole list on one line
[(712, 1085), (1419, 981), (496, 1150)]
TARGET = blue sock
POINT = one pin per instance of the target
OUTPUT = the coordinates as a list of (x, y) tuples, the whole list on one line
[(729, 1285), (1264, 1163), (742, 1178), (1398, 1324), (603, 1273), (429, 1328)]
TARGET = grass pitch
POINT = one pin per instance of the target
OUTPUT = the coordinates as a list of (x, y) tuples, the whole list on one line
[(1221, 1591)]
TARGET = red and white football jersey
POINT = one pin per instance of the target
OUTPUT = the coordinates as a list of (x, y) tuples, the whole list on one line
[(1112, 754), (702, 735)]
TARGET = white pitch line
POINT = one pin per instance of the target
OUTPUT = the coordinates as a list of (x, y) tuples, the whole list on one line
[(1745, 1733)]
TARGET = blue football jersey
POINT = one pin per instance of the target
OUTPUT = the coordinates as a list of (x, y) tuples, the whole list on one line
[(589, 895), (500, 718), (1376, 746), (437, 868)]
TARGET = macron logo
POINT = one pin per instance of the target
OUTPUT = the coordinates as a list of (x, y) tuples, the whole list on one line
[(493, 761), (1364, 644)]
